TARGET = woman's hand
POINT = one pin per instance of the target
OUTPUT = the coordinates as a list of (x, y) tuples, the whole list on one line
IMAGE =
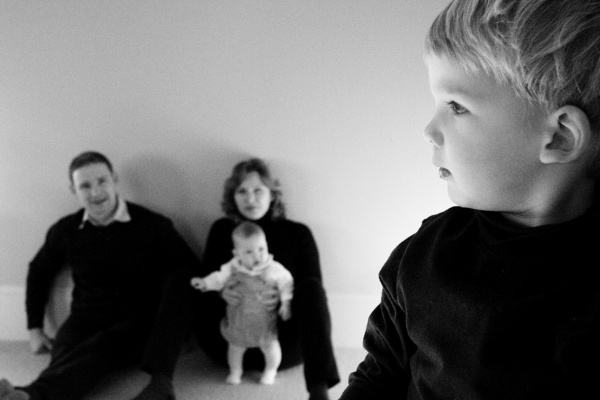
[(230, 294), (39, 343), (270, 298)]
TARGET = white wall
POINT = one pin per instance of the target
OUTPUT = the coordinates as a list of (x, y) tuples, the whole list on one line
[(333, 94)]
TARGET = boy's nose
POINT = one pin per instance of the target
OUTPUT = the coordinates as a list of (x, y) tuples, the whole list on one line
[(432, 134)]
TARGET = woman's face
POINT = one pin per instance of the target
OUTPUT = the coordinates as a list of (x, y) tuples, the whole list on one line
[(252, 197)]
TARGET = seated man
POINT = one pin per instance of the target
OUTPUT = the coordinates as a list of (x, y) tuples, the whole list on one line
[(120, 254)]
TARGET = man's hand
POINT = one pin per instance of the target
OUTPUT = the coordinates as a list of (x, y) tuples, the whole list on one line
[(39, 342)]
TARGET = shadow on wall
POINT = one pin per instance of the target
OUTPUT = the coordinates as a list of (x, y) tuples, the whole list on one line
[(186, 188)]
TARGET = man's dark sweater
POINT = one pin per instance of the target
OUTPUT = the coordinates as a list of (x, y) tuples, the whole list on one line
[(117, 269), (474, 307)]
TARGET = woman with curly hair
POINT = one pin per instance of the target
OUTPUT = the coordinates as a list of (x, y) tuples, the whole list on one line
[(250, 194)]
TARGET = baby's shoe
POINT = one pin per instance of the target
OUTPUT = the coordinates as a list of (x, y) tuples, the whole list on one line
[(268, 377), (234, 378)]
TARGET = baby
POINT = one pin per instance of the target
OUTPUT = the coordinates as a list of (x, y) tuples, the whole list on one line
[(251, 323)]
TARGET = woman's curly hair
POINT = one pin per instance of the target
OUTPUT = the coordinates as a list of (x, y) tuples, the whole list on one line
[(238, 174)]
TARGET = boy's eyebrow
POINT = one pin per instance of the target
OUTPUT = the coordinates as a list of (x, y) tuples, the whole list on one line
[(472, 94), (454, 89)]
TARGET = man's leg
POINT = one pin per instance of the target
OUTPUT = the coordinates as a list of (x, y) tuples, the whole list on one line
[(183, 311), (84, 353)]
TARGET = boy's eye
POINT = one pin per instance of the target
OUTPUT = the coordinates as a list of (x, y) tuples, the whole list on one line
[(456, 108)]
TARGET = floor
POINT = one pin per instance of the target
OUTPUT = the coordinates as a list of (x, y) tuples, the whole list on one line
[(196, 377)]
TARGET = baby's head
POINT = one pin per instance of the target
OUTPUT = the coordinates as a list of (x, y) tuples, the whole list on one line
[(537, 63), (250, 244)]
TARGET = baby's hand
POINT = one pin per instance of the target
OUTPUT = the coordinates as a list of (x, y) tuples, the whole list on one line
[(285, 310), (198, 283)]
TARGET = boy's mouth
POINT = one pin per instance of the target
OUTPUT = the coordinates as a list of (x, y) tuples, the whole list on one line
[(444, 173)]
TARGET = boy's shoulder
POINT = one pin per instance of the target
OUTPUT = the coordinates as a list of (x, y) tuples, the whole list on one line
[(452, 214), (444, 225)]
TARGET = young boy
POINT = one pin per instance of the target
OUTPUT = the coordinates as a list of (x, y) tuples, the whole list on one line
[(499, 298), (251, 323)]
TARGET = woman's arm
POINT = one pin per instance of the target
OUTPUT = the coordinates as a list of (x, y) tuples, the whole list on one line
[(297, 250)]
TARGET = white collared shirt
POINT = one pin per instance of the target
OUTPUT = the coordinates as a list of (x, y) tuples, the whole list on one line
[(121, 215)]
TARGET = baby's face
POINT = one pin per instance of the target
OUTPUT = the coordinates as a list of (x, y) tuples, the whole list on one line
[(251, 251), (486, 141)]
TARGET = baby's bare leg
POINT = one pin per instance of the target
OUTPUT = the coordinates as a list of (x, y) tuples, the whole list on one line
[(235, 358), (8, 392), (272, 352)]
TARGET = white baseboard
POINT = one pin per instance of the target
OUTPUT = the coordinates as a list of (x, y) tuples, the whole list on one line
[(13, 325), (349, 315)]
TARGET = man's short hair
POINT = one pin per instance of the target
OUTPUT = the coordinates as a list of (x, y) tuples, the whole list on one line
[(87, 158)]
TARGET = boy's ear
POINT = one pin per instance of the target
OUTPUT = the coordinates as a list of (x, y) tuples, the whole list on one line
[(567, 137), (72, 187)]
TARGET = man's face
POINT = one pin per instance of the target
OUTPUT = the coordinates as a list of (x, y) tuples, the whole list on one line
[(96, 191)]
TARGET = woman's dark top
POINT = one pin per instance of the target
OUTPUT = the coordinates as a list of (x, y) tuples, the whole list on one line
[(474, 307)]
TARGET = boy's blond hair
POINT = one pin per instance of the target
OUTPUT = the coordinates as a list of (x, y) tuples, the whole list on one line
[(547, 50)]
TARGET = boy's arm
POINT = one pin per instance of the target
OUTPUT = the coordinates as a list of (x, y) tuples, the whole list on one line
[(384, 373)]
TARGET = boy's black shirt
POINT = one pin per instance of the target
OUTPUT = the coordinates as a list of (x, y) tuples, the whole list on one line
[(474, 307)]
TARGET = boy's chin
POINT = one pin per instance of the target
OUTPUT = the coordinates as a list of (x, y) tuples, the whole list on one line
[(461, 200)]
